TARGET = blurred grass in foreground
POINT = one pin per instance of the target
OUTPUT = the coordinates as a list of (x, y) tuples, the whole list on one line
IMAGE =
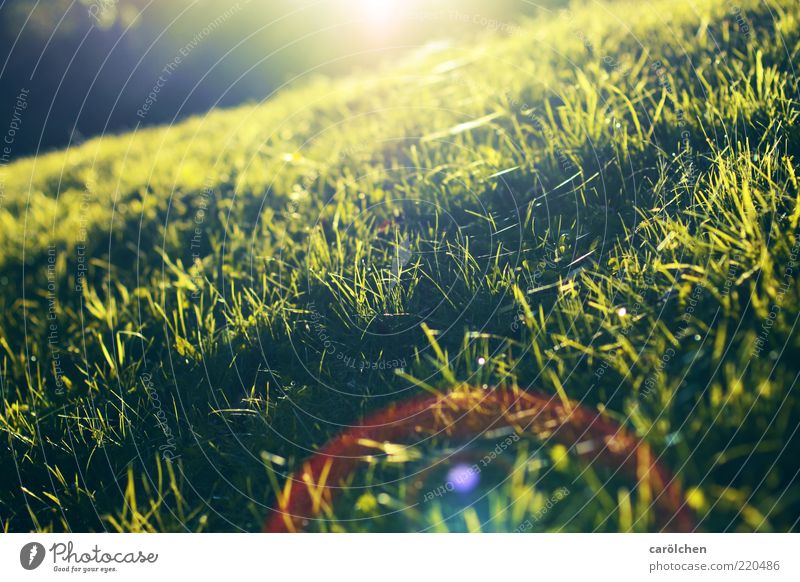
[(603, 206)]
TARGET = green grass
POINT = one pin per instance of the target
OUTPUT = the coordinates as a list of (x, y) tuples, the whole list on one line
[(553, 209)]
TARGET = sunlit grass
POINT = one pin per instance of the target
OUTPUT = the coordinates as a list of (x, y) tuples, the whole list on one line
[(613, 232)]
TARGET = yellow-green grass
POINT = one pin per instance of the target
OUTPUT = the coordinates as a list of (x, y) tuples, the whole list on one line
[(602, 206)]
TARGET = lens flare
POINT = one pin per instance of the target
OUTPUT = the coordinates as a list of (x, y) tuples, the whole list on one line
[(380, 12), (463, 477)]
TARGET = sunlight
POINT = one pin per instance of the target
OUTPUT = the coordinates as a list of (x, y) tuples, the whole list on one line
[(380, 12)]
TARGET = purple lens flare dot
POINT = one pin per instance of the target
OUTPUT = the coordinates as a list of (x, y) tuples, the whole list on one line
[(463, 478)]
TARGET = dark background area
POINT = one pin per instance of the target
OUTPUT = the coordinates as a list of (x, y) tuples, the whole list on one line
[(90, 64)]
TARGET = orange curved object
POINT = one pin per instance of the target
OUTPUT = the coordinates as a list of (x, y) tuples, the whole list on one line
[(466, 413)]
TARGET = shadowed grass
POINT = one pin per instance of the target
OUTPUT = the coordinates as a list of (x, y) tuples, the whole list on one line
[(603, 207)]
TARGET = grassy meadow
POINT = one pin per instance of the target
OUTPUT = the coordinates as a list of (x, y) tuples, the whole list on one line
[(600, 205)]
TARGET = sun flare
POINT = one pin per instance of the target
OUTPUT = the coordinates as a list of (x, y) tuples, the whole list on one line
[(380, 12)]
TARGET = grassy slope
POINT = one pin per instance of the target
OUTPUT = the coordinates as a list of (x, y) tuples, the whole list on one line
[(311, 198)]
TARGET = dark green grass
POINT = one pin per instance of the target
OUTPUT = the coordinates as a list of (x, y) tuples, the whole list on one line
[(555, 210)]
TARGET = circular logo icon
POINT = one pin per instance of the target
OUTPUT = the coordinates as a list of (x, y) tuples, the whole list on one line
[(31, 555)]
